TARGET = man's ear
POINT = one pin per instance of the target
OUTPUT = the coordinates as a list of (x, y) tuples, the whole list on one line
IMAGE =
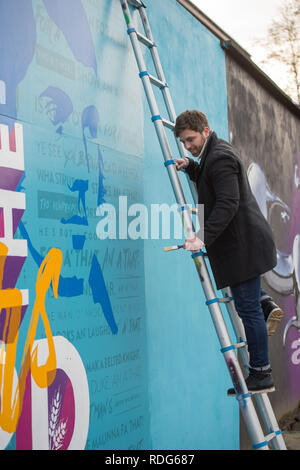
[(206, 132)]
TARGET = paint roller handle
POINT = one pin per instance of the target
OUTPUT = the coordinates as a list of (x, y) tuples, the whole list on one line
[(172, 248)]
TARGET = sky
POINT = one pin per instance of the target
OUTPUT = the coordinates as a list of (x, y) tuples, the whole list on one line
[(246, 21)]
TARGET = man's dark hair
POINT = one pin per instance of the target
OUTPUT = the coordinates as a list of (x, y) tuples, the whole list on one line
[(191, 119)]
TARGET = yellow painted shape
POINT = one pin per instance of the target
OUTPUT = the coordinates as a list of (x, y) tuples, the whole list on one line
[(11, 300)]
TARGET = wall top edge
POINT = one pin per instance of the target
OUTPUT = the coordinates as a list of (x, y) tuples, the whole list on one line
[(232, 48)]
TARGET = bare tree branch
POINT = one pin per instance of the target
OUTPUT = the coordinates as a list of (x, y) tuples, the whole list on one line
[(282, 44)]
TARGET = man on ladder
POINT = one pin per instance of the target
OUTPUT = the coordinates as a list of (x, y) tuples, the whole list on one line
[(206, 141), (237, 237)]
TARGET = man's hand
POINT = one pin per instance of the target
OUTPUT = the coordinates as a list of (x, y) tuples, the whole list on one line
[(193, 244), (181, 163)]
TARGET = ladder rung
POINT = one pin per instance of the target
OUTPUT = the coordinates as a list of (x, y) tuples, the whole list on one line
[(226, 299), (240, 345), (136, 3), (273, 434), (156, 81), (270, 436), (168, 124), (144, 40)]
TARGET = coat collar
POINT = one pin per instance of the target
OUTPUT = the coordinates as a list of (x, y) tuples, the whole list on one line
[(210, 140)]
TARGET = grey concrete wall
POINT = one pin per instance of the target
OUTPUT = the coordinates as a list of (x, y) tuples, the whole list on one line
[(267, 136)]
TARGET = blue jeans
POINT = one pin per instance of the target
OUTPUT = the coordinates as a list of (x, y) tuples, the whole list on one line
[(247, 296)]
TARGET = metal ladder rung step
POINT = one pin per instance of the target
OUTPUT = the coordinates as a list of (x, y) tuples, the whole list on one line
[(136, 3), (240, 345), (273, 434), (168, 124), (226, 299), (147, 42), (156, 82)]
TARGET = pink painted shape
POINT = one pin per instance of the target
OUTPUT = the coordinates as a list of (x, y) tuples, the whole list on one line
[(24, 428), (12, 140)]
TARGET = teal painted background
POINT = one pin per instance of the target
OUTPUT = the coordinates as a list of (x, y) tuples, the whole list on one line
[(136, 316), (187, 375)]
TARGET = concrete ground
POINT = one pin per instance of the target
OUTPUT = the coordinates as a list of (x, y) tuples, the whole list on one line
[(292, 440), (290, 426)]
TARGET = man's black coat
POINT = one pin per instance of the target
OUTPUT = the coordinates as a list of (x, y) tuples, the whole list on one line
[(238, 239)]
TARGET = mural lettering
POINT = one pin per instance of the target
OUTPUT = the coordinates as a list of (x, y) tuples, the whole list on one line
[(45, 402), (13, 253)]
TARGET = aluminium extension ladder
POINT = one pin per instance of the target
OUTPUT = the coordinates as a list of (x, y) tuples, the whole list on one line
[(273, 434)]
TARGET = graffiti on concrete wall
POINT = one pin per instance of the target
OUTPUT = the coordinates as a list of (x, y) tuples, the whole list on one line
[(285, 277)]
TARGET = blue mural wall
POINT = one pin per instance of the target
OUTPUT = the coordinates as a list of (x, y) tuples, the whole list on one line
[(106, 343), (187, 373)]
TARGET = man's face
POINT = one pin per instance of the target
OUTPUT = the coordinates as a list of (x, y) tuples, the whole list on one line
[(193, 140)]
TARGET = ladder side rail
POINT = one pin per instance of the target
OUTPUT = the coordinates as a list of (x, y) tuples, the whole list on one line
[(237, 326), (246, 405), (161, 134), (173, 176), (166, 93), (158, 67), (209, 291), (245, 402), (262, 399), (270, 421), (160, 73), (193, 189), (192, 185), (232, 363), (135, 3)]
